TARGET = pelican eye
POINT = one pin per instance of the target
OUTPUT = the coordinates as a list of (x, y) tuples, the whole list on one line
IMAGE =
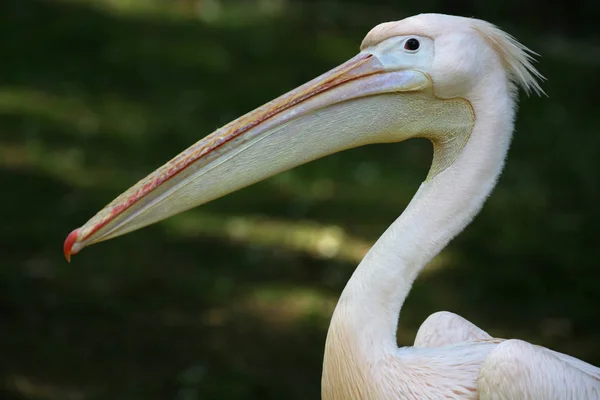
[(412, 44)]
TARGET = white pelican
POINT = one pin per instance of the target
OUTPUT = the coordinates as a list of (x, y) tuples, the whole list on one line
[(453, 80)]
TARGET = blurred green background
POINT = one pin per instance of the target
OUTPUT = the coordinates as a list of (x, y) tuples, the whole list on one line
[(232, 300)]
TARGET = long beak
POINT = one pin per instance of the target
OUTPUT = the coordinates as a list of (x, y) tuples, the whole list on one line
[(358, 102)]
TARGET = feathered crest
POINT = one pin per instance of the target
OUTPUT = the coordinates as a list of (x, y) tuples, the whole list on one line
[(517, 58)]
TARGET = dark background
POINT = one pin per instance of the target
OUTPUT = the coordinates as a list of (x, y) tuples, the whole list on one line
[(232, 300)]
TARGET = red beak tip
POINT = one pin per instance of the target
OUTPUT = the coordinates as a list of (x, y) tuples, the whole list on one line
[(69, 242)]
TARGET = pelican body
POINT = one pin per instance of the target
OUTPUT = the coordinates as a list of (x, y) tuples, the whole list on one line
[(450, 79)]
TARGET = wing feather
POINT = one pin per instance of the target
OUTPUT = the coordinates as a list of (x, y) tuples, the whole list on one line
[(445, 328), (519, 370)]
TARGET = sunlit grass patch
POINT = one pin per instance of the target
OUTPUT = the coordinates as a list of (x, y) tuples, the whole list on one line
[(28, 145), (319, 241), (289, 305), (33, 390), (84, 116), (316, 240), (65, 165), (208, 11), (281, 306), (35, 103)]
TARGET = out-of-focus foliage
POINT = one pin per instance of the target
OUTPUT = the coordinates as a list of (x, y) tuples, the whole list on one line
[(232, 300)]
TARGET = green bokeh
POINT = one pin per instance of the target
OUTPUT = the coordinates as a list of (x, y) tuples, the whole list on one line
[(232, 300)]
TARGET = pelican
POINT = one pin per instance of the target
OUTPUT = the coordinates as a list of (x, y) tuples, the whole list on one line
[(453, 80)]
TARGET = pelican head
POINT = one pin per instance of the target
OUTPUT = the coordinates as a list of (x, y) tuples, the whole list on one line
[(419, 77)]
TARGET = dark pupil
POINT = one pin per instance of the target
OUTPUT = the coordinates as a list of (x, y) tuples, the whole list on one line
[(411, 44)]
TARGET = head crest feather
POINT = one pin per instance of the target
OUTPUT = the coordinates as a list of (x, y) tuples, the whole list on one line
[(517, 58)]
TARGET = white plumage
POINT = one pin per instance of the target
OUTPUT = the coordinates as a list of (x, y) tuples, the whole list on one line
[(452, 358)]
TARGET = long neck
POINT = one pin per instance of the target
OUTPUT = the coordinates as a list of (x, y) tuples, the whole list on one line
[(363, 327)]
